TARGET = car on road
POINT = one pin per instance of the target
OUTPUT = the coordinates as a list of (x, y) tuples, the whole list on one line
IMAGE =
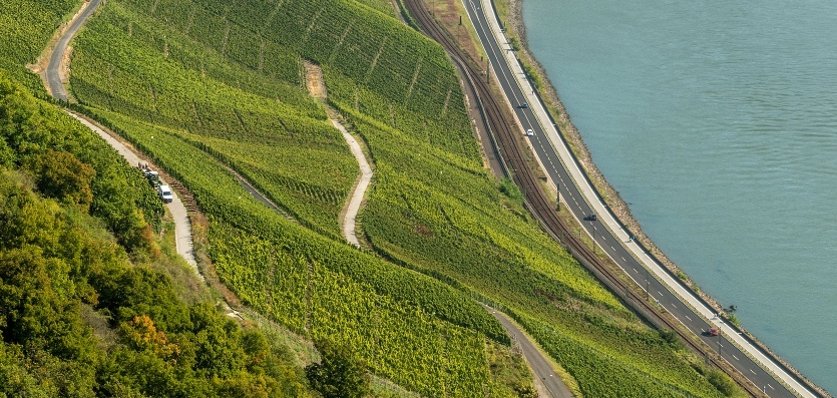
[(712, 332), (523, 105), (165, 193), (529, 132), (591, 217)]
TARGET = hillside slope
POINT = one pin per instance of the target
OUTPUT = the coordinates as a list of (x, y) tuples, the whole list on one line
[(203, 85)]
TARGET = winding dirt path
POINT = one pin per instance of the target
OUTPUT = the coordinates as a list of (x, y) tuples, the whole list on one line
[(59, 57), (348, 219), (359, 192)]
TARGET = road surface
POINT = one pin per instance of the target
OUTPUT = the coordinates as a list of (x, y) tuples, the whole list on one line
[(53, 72), (182, 225), (579, 197), (537, 362)]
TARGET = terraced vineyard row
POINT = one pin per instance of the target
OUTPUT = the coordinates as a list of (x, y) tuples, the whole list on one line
[(273, 140), (408, 71)]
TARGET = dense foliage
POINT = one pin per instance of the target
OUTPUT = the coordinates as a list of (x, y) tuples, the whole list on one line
[(79, 316), (338, 374)]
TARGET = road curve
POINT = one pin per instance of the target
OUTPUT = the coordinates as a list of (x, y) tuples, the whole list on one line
[(182, 225), (577, 194), (53, 72)]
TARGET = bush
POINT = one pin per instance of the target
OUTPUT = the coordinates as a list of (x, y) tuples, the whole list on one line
[(338, 375)]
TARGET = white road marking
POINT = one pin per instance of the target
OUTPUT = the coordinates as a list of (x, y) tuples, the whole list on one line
[(623, 259), (612, 248), (736, 358), (635, 271), (690, 319), (752, 371), (660, 293), (771, 387)]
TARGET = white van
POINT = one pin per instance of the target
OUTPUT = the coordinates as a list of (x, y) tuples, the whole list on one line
[(165, 193)]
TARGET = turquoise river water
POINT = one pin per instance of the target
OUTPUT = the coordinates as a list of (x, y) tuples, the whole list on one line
[(717, 122)]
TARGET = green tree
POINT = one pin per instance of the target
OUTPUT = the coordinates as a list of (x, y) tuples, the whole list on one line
[(339, 374), (62, 176)]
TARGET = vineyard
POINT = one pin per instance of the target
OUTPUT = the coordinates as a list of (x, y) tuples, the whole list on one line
[(327, 290), (202, 85), (272, 136), (26, 26)]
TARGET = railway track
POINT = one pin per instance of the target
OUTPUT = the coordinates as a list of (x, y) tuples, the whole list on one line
[(504, 135)]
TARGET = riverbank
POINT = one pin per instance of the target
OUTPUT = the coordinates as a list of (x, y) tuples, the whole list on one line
[(510, 13)]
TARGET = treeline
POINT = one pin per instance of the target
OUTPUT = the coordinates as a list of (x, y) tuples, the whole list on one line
[(86, 309)]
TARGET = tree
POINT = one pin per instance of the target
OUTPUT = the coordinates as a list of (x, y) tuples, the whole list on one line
[(339, 374), (62, 176)]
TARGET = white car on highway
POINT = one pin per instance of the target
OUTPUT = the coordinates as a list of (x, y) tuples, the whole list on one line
[(529, 132)]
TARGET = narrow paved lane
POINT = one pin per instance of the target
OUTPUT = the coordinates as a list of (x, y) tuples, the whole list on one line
[(537, 362), (53, 72), (577, 196), (182, 225)]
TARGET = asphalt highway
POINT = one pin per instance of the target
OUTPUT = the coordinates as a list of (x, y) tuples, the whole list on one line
[(614, 247), (54, 84)]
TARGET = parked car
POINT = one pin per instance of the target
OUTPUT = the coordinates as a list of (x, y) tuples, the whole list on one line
[(165, 193)]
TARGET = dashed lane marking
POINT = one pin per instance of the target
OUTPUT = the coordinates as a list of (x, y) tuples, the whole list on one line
[(690, 319), (736, 358), (752, 371)]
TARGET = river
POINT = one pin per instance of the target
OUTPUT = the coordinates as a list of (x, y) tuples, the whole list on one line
[(717, 122)]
